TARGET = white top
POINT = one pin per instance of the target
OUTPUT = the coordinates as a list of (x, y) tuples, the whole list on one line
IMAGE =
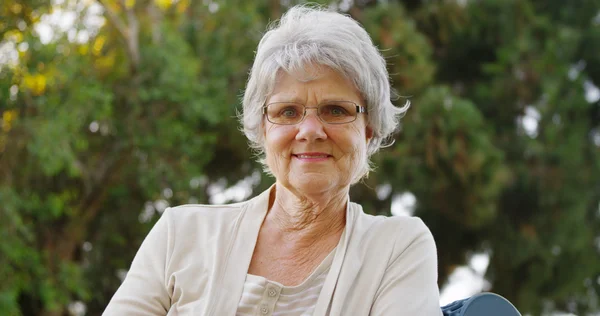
[(195, 262), (269, 298)]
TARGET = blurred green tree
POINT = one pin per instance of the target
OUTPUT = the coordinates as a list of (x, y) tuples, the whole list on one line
[(101, 128)]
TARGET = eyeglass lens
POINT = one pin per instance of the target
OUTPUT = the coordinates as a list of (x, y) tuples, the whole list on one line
[(288, 113)]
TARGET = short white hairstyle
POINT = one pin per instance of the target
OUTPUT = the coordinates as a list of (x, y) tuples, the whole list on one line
[(312, 35)]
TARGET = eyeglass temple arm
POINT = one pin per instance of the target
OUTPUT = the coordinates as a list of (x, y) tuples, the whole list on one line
[(359, 109)]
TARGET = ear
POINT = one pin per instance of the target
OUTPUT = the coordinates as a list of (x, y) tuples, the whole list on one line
[(368, 133), (263, 125)]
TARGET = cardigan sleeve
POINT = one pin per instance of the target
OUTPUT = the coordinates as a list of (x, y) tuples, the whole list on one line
[(409, 285), (145, 290)]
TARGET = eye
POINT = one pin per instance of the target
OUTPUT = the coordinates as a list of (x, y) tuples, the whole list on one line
[(289, 112), (334, 110)]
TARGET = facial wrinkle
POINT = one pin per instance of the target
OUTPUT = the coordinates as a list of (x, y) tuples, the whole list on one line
[(302, 216)]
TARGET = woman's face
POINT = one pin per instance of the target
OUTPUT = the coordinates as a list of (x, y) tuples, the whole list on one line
[(312, 156)]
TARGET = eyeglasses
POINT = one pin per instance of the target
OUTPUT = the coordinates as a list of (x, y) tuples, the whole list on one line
[(331, 112)]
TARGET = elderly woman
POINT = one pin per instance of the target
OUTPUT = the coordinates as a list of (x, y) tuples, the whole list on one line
[(317, 105)]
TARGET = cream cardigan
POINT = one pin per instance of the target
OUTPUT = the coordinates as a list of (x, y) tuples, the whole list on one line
[(195, 260)]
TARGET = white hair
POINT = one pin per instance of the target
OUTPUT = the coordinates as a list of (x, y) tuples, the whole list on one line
[(312, 35)]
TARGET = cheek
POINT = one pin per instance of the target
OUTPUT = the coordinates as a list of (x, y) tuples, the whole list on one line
[(275, 137), (354, 142), (277, 143), (355, 152)]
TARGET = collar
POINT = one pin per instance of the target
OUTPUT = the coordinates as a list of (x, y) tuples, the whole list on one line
[(231, 276)]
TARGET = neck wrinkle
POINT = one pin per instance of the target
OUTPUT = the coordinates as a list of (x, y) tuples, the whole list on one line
[(307, 220)]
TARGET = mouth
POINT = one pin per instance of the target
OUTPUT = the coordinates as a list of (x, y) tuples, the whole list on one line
[(312, 156)]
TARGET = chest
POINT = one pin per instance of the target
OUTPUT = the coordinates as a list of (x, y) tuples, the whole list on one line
[(286, 265), (284, 268)]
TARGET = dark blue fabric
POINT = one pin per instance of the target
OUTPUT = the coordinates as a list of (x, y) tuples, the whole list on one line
[(483, 304), (454, 308)]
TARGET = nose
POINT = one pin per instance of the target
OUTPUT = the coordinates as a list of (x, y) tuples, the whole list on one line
[(311, 128)]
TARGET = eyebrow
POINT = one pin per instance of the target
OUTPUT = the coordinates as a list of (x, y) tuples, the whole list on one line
[(299, 101)]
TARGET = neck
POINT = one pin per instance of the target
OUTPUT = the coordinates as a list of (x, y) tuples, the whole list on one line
[(306, 219)]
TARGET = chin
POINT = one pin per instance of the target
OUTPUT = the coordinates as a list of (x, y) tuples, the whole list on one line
[(315, 183)]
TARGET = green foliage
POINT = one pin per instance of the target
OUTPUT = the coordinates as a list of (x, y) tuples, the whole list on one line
[(455, 147), (407, 50), (98, 136)]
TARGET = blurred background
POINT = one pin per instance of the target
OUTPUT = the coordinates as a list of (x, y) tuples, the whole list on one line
[(113, 110)]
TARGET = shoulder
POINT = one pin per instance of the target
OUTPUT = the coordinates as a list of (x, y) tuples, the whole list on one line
[(412, 237), (397, 233), (206, 209), (189, 229), (203, 213), (400, 226)]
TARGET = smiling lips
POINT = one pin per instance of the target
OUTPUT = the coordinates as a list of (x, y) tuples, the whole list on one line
[(312, 156)]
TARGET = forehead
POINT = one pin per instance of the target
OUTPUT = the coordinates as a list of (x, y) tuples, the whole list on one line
[(313, 84)]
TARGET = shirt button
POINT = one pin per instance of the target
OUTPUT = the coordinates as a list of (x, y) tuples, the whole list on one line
[(272, 292), (264, 310)]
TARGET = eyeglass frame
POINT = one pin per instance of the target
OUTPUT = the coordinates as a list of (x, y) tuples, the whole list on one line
[(359, 109)]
